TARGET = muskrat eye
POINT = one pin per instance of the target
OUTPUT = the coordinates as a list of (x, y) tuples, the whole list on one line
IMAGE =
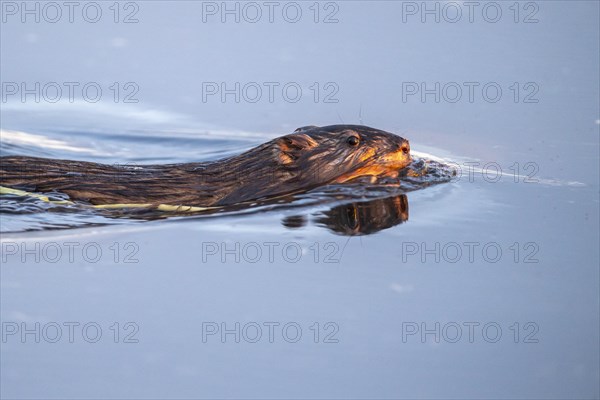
[(404, 149), (352, 140)]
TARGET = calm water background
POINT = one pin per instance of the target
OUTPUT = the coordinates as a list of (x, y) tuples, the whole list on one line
[(174, 280)]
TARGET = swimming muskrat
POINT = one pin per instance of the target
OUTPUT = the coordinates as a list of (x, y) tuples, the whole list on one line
[(310, 157)]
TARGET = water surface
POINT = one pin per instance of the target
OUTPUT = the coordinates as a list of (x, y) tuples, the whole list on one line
[(514, 256)]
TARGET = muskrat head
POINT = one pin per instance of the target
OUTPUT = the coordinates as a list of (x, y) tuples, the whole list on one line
[(339, 153)]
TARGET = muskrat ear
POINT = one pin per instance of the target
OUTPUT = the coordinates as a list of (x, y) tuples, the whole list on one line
[(289, 147), (305, 128)]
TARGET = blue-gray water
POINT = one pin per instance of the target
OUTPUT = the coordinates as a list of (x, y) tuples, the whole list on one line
[(508, 261)]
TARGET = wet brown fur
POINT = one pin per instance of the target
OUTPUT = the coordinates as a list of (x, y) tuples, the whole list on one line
[(310, 157)]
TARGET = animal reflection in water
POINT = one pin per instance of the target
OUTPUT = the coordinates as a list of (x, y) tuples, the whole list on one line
[(359, 218)]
